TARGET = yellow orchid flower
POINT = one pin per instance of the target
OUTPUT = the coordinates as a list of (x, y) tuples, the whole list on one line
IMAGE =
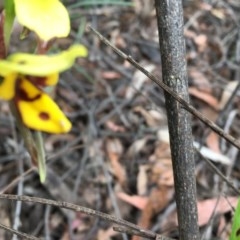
[(22, 77), (47, 18)]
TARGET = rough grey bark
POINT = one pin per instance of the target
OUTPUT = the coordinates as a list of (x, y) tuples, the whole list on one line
[(172, 47)]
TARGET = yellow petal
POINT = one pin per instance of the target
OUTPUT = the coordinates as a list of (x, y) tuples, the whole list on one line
[(48, 18), (39, 111), (42, 65), (51, 79), (7, 86)]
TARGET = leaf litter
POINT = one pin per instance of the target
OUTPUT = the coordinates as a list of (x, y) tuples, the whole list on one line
[(117, 157)]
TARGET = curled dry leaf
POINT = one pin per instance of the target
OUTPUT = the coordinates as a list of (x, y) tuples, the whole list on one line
[(219, 13), (114, 127), (212, 142), (138, 80), (161, 169), (137, 146), (135, 200), (159, 198), (206, 97), (114, 150), (200, 80), (227, 93), (153, 118), (110, 75), (212, 155), (142, 179)]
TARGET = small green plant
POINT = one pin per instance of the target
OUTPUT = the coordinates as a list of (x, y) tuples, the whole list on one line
[(235, 233)]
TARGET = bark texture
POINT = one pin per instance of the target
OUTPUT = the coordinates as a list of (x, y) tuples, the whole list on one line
[(174, 72)]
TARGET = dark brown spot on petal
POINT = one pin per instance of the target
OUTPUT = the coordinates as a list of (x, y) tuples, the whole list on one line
[(44, 116), (37, 81), (22, 94)]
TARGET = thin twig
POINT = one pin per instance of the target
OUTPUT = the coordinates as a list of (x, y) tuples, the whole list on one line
[(184, 103), (19, 234), (17, 179), (218, 172), (88, 211), (140, 234)]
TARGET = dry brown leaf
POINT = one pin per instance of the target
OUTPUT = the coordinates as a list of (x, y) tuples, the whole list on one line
[(161, 151), (114, 127), (106, 234), (114, 150), (52, 139), (159, 198), (201, 41), (219, 13), (227, 93), (207, 207), (224, 228), (138, 80), (153, 118), (135, 200), (110, 75), (205, 6), (144, 8), (142, 179), (210, 113), (206, 97), (189, 34), (161, 170), (212, 142), (137, 146), (68, 94), (200, 80)]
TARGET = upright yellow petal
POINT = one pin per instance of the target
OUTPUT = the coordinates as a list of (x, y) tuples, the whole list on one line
[(41, 112), (48, 18), (7, 86)]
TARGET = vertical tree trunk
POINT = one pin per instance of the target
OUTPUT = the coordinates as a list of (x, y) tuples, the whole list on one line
[(172, 47)]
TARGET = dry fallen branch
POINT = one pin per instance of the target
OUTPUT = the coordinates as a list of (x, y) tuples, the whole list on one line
[(130, 226), (167, 89)]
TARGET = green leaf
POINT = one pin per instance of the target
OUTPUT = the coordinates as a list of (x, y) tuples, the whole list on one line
[(33, 142), (9, 18), (41, 158), (235, 234)]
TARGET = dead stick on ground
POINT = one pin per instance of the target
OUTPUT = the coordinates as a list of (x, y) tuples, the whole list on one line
[(185, 104), (87, 211)]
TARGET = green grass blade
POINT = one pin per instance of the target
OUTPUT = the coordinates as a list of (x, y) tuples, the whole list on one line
[(235, 234), (9, 18)]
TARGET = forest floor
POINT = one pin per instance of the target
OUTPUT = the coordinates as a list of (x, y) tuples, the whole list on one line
[(116, 159)]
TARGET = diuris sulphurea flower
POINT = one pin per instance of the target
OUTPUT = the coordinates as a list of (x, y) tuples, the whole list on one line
[(23, 78), (47, 18)]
